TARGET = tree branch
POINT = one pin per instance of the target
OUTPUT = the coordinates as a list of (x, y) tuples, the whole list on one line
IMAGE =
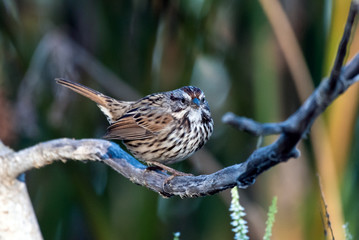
[(291, 132)]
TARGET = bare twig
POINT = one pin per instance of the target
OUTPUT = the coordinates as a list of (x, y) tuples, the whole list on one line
[(253, 127), (342, 49)]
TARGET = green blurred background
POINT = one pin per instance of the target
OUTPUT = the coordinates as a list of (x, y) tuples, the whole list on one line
[(258, 59)]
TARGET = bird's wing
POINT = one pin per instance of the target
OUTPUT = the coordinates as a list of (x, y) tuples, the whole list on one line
[(139, 125)]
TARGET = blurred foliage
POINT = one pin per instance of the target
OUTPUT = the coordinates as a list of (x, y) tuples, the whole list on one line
[(128, 49)]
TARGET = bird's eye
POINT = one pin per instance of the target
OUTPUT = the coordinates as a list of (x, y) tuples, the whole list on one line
[(183, 100)]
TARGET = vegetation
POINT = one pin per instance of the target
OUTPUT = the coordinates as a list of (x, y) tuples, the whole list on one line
[(237, 52)]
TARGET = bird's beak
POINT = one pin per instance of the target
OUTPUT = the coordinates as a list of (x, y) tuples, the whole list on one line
[(196, 101)]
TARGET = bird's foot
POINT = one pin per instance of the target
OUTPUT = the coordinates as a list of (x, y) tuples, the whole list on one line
[(174, 172)]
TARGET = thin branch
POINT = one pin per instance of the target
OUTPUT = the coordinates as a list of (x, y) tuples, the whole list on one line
[(251, 126), (342, 49)]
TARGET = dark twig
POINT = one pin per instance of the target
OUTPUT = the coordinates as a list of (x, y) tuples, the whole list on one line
[(351, 69), (342, 49), (251, 126)]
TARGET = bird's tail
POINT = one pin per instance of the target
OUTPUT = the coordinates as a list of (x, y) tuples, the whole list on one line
[(112, 108), (94, 95)]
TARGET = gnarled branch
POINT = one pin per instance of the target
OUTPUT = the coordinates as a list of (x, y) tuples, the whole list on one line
[(291, 132)]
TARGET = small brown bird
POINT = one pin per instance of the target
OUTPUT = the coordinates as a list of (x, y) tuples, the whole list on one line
[(161, 128)]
